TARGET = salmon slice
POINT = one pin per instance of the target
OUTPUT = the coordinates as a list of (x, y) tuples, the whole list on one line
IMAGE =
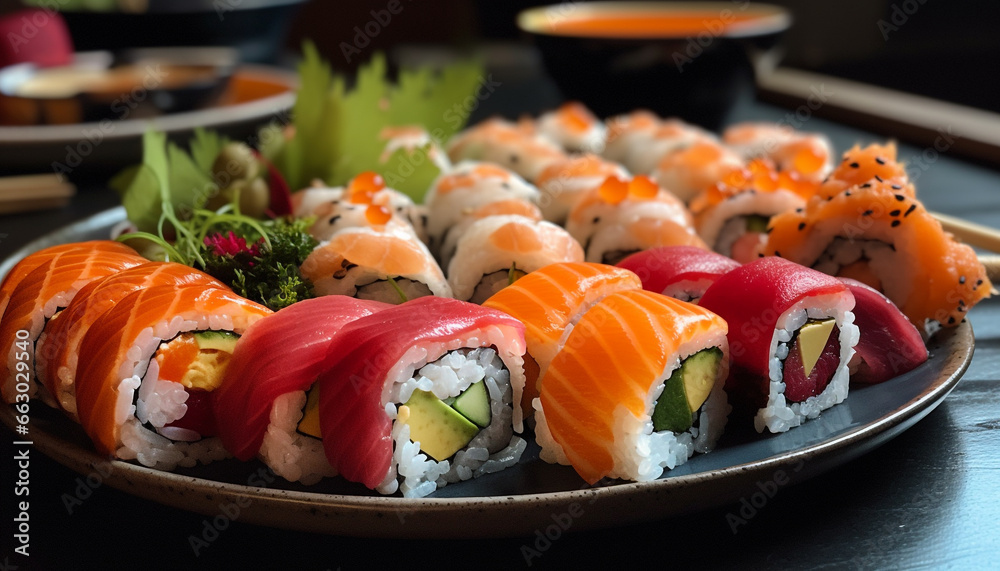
[(59, 346), (604, 377), (549, 302), (49, 287), (108, 351)]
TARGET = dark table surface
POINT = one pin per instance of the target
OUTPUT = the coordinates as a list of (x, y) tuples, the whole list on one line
[(930, 498)]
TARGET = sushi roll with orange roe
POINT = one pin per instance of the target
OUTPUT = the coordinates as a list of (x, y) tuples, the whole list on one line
[(862, 164), (562, 183), (506, 144), (808, 154), (732, 215), (695, 167), (623, 216), (573, 127), (614, 407), (878, 233)]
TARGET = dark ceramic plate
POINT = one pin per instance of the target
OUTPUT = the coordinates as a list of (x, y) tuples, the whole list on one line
[(532, 495)]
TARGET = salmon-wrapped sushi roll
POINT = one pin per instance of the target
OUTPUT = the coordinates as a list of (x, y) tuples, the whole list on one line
[(681, 272), (148, 369), (879, 234), (693, 168), (270, 386), (384, 261), (549, 302), (421, 395), (732, 215), (59, 347), (506, 144), (638, 388), (621, 217), (347, 207), (468, 187), (497, 250), (808, 154), (55, 277), (628, 134), (670, 136), (862, 164), (573, 127), (564, 182), (792, 335)]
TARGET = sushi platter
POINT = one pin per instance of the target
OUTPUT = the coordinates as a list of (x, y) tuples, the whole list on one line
[(621, 319), (521, 499)]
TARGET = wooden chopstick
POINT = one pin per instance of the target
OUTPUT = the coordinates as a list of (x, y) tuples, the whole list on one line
[(971, 233), (34, 192)]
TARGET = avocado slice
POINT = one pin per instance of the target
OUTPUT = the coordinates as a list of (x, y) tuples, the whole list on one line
[(812, 340), (474, 404), (686, 390), (309, 425), (217, 340), (441, 430), (757, 223)]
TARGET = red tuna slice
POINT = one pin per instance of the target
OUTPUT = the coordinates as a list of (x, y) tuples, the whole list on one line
[(357, 432), (279, 354), (661, 269), (751, 298), (890, 345), (799, 387)]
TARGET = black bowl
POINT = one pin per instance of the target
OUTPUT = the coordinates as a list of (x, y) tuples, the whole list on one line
[(695, 70)]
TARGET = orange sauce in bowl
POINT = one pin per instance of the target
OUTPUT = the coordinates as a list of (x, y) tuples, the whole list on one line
[(652, 20)]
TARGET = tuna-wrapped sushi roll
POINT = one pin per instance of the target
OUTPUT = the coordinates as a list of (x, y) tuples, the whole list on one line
[(681, 272), (270, 386), (497, 250), (638, 388), (37, 288), (621, 217), (792, 335), (421, 395), (148, 368)]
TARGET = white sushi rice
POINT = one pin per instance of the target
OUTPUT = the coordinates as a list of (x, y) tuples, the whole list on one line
[(492, 449), (726, 222), (778, 415), (146, 404), (292, 455), (688, 290)]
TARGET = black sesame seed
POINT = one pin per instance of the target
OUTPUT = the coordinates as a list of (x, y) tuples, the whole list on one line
[(895, 213), (802, 226), (847, 193), (951, 321), (867, 213), (961, 279), (866, 185), (910, 209), (597, 219), (759, 255), (855, 165), (895, 223), (334, 220), (879, 160), (979, 282), (896, 187), (878, 178), (798, 210), (961, 302), (777, 253), (900, 197)]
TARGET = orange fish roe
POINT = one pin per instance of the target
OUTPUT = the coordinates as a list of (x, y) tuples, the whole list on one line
[(175, 358), (377, 214), (808, 160), (363, 187), (642, 187), (614, 190)]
